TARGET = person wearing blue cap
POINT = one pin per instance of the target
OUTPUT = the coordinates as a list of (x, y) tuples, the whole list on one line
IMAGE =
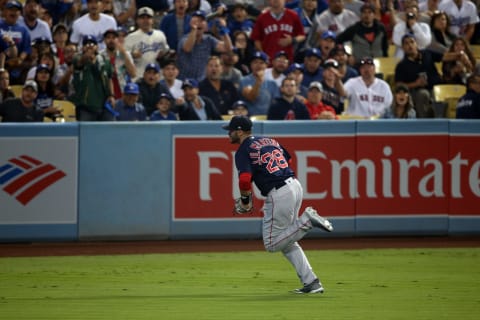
[(195, 48), (367, 36), (150, 87), (92, 83), (336, 19), (20, 37), (46, 91), (94, 22), (196, 107), (164, 109), (257, 91), (128, 107), (312, 66)]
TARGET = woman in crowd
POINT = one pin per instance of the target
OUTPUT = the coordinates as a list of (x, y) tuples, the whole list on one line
[(442, 39), (402, 105), (245, 50), (459, 62)]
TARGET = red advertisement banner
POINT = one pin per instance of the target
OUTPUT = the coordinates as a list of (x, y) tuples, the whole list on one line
[(341, 175)]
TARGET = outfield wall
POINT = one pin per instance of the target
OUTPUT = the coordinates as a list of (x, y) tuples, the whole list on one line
[(89, 181)]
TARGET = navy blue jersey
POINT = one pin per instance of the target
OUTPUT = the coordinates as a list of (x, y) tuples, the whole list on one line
[(266, 160)]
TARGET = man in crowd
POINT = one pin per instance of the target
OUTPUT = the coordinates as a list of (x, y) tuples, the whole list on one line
[(368, 96), (257, 91), (468, 106), (288, 107), (277, 29), (22, 109), (196, 107), (223, 93)]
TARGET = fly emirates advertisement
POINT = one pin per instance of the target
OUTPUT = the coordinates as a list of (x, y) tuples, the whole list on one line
[(342, 176)]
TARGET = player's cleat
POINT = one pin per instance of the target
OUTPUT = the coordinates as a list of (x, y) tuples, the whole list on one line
[(314, 287), (317, 220)]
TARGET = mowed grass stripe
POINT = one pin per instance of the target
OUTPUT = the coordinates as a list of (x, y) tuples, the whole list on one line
[(360, 284)]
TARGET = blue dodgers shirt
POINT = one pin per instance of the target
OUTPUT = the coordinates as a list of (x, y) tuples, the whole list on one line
[(266, 160)]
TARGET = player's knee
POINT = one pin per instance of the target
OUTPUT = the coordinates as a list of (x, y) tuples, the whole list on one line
[(271, 247)]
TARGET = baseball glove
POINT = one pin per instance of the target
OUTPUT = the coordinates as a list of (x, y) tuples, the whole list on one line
[(241, 208)]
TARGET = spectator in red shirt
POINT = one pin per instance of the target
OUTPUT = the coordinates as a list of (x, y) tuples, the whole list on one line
[(317, 109)]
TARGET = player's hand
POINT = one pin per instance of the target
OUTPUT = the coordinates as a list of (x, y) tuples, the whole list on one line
[(241, 208)]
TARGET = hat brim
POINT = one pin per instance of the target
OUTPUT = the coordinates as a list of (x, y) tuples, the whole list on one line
[(226, 127)]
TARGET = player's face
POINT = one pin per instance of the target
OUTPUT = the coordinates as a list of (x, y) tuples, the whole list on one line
[(234, 137)]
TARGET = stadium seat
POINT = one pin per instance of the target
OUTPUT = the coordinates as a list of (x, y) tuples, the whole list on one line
[(449, 94), (227, 116), (17, 89), (475, 50), (259, 117), (68, 110), (386, 66)]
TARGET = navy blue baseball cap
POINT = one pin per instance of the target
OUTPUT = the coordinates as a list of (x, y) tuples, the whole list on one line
[(199, 13), (408, 35), (313, 52), (293, 67), (41, 40), (329, 35), (152, 66), (281, 54), (260, 55), (131, 88), (165, 96), (239, 103), (190, 83), (89, 39), (41, 67), (239, 123), (330, 63), (13, 4)]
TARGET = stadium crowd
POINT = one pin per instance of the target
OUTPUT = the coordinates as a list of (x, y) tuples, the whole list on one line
[(151, 60)]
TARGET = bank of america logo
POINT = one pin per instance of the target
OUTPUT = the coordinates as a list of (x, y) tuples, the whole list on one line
[(25, 177)]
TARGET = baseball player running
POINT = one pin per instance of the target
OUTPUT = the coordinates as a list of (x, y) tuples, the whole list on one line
[(264, 161)]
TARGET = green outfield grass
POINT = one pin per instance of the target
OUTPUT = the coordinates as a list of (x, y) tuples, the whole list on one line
[(360, 284)]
